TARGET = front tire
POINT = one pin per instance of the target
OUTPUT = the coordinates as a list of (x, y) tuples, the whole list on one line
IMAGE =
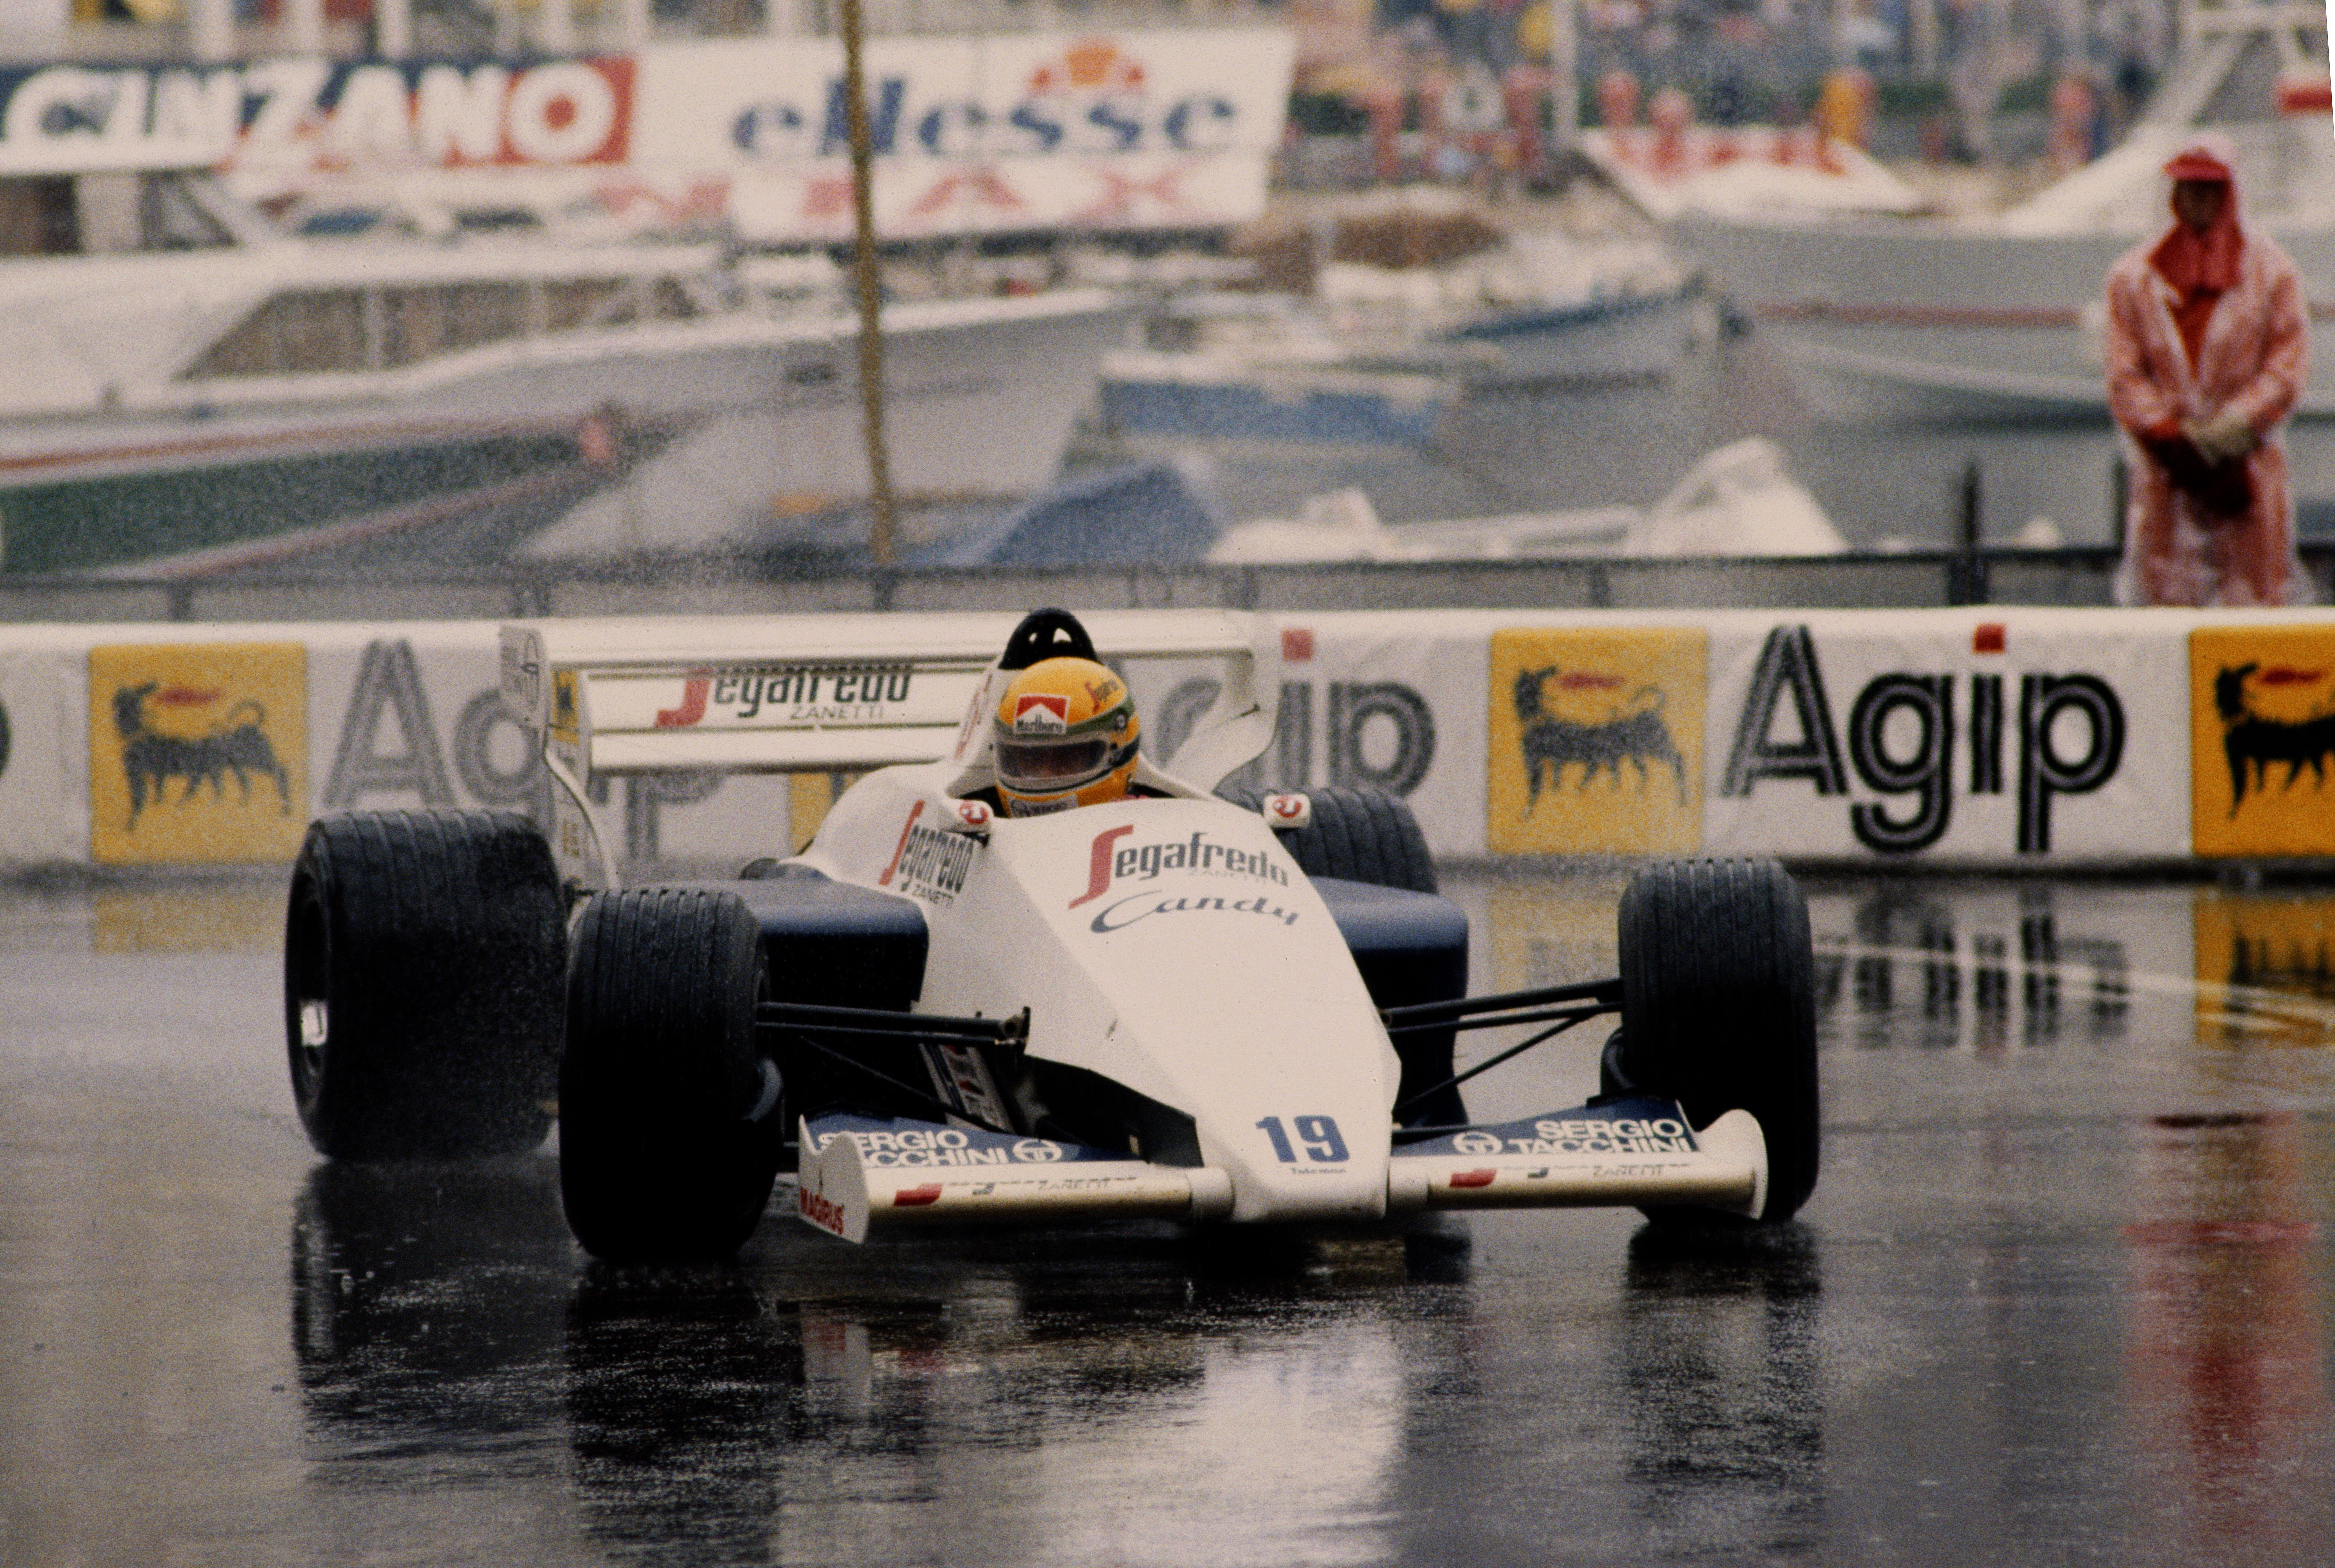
[(422, 958), (1718, 1009), (658, 1158), (1358, 835)]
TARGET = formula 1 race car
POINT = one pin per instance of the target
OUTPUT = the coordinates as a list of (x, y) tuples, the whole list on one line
[(1232, 1007)]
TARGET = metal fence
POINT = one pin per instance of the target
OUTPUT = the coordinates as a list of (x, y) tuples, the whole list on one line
[(1912, 579)]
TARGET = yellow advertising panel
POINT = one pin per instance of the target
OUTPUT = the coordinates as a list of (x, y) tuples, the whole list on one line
[(1596, 741), (197, 751), (1552, 931), (2265, 968), (2261, 719)]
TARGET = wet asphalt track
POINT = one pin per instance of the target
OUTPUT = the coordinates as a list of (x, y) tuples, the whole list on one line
[(2062, 1296)]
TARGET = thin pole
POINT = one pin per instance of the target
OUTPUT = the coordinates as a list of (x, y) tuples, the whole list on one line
[(214, 29), (1564, 78), (555, 22), (302, 24), (871, 331), (392, 22)]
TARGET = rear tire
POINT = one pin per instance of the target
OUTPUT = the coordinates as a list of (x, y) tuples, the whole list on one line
[(1358, 835), (657, 1159), (422, 958), (1718, 1011)]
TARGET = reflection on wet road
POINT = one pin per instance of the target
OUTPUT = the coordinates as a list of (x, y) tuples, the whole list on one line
[(2063, 1294)]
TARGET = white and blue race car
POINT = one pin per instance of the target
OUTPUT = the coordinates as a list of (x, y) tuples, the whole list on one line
[(1238, 1010)]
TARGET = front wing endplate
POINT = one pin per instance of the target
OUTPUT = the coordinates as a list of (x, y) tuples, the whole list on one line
[(857, 1172), (1629, 1151)]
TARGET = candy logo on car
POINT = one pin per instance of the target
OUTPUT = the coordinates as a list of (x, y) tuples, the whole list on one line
[(1139, 907), (1112, 863)]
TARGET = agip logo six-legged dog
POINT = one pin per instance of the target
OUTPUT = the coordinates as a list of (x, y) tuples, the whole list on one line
[(235, 743), (1596, 742), (1632, 732), (197, 751)]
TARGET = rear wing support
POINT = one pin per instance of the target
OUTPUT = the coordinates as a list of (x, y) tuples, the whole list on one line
[(609, 698)]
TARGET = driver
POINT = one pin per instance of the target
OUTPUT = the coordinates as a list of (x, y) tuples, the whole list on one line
[(1065, 735)]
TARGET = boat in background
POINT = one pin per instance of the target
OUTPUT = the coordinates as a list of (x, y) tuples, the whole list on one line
[(1538, 308), (1263, 369), (1375, 352), (1739, 501), (185, 376), (1909, 319)]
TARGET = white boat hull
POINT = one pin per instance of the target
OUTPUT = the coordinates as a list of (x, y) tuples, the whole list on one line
[(980, 398), (1638, 339), (1898, 322)]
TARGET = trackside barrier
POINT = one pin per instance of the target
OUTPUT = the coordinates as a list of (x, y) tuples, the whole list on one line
[(1957, 737), (2071, 576)]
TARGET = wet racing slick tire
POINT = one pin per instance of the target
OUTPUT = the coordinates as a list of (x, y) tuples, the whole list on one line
[(1356, 835), (423, 952), (670, 1129), (1718, 1011)]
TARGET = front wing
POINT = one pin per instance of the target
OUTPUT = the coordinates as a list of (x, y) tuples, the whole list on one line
[(856, 1173)]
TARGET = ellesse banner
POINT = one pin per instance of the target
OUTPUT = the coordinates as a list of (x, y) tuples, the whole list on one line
[(1111, 129)]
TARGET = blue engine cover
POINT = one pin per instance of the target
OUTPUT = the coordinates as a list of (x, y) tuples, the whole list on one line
[(836, 944), (841, 945), (1411, 947)]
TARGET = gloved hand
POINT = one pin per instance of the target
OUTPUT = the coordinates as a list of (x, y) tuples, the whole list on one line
[(2222, 489), (2222, 435)]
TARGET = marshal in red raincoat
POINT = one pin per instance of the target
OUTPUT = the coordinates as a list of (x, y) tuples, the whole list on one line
[(2208, 346)]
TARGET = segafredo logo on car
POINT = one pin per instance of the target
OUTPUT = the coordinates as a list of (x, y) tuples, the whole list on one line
[(1113, 866), (915, 1147), (928, 863), (801, 695)]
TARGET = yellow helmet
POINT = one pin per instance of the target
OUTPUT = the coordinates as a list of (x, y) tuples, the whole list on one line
[(1066, 736)]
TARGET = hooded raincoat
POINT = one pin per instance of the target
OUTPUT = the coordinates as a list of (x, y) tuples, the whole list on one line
[(2201, 326)]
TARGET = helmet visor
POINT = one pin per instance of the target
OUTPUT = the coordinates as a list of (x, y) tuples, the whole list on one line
[(1051, 762)]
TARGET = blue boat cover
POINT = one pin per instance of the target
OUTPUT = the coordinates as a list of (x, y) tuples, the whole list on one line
[(1146, 514)]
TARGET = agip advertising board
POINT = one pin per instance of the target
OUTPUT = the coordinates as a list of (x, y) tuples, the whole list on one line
[(1948, 735), (1994, 738)]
